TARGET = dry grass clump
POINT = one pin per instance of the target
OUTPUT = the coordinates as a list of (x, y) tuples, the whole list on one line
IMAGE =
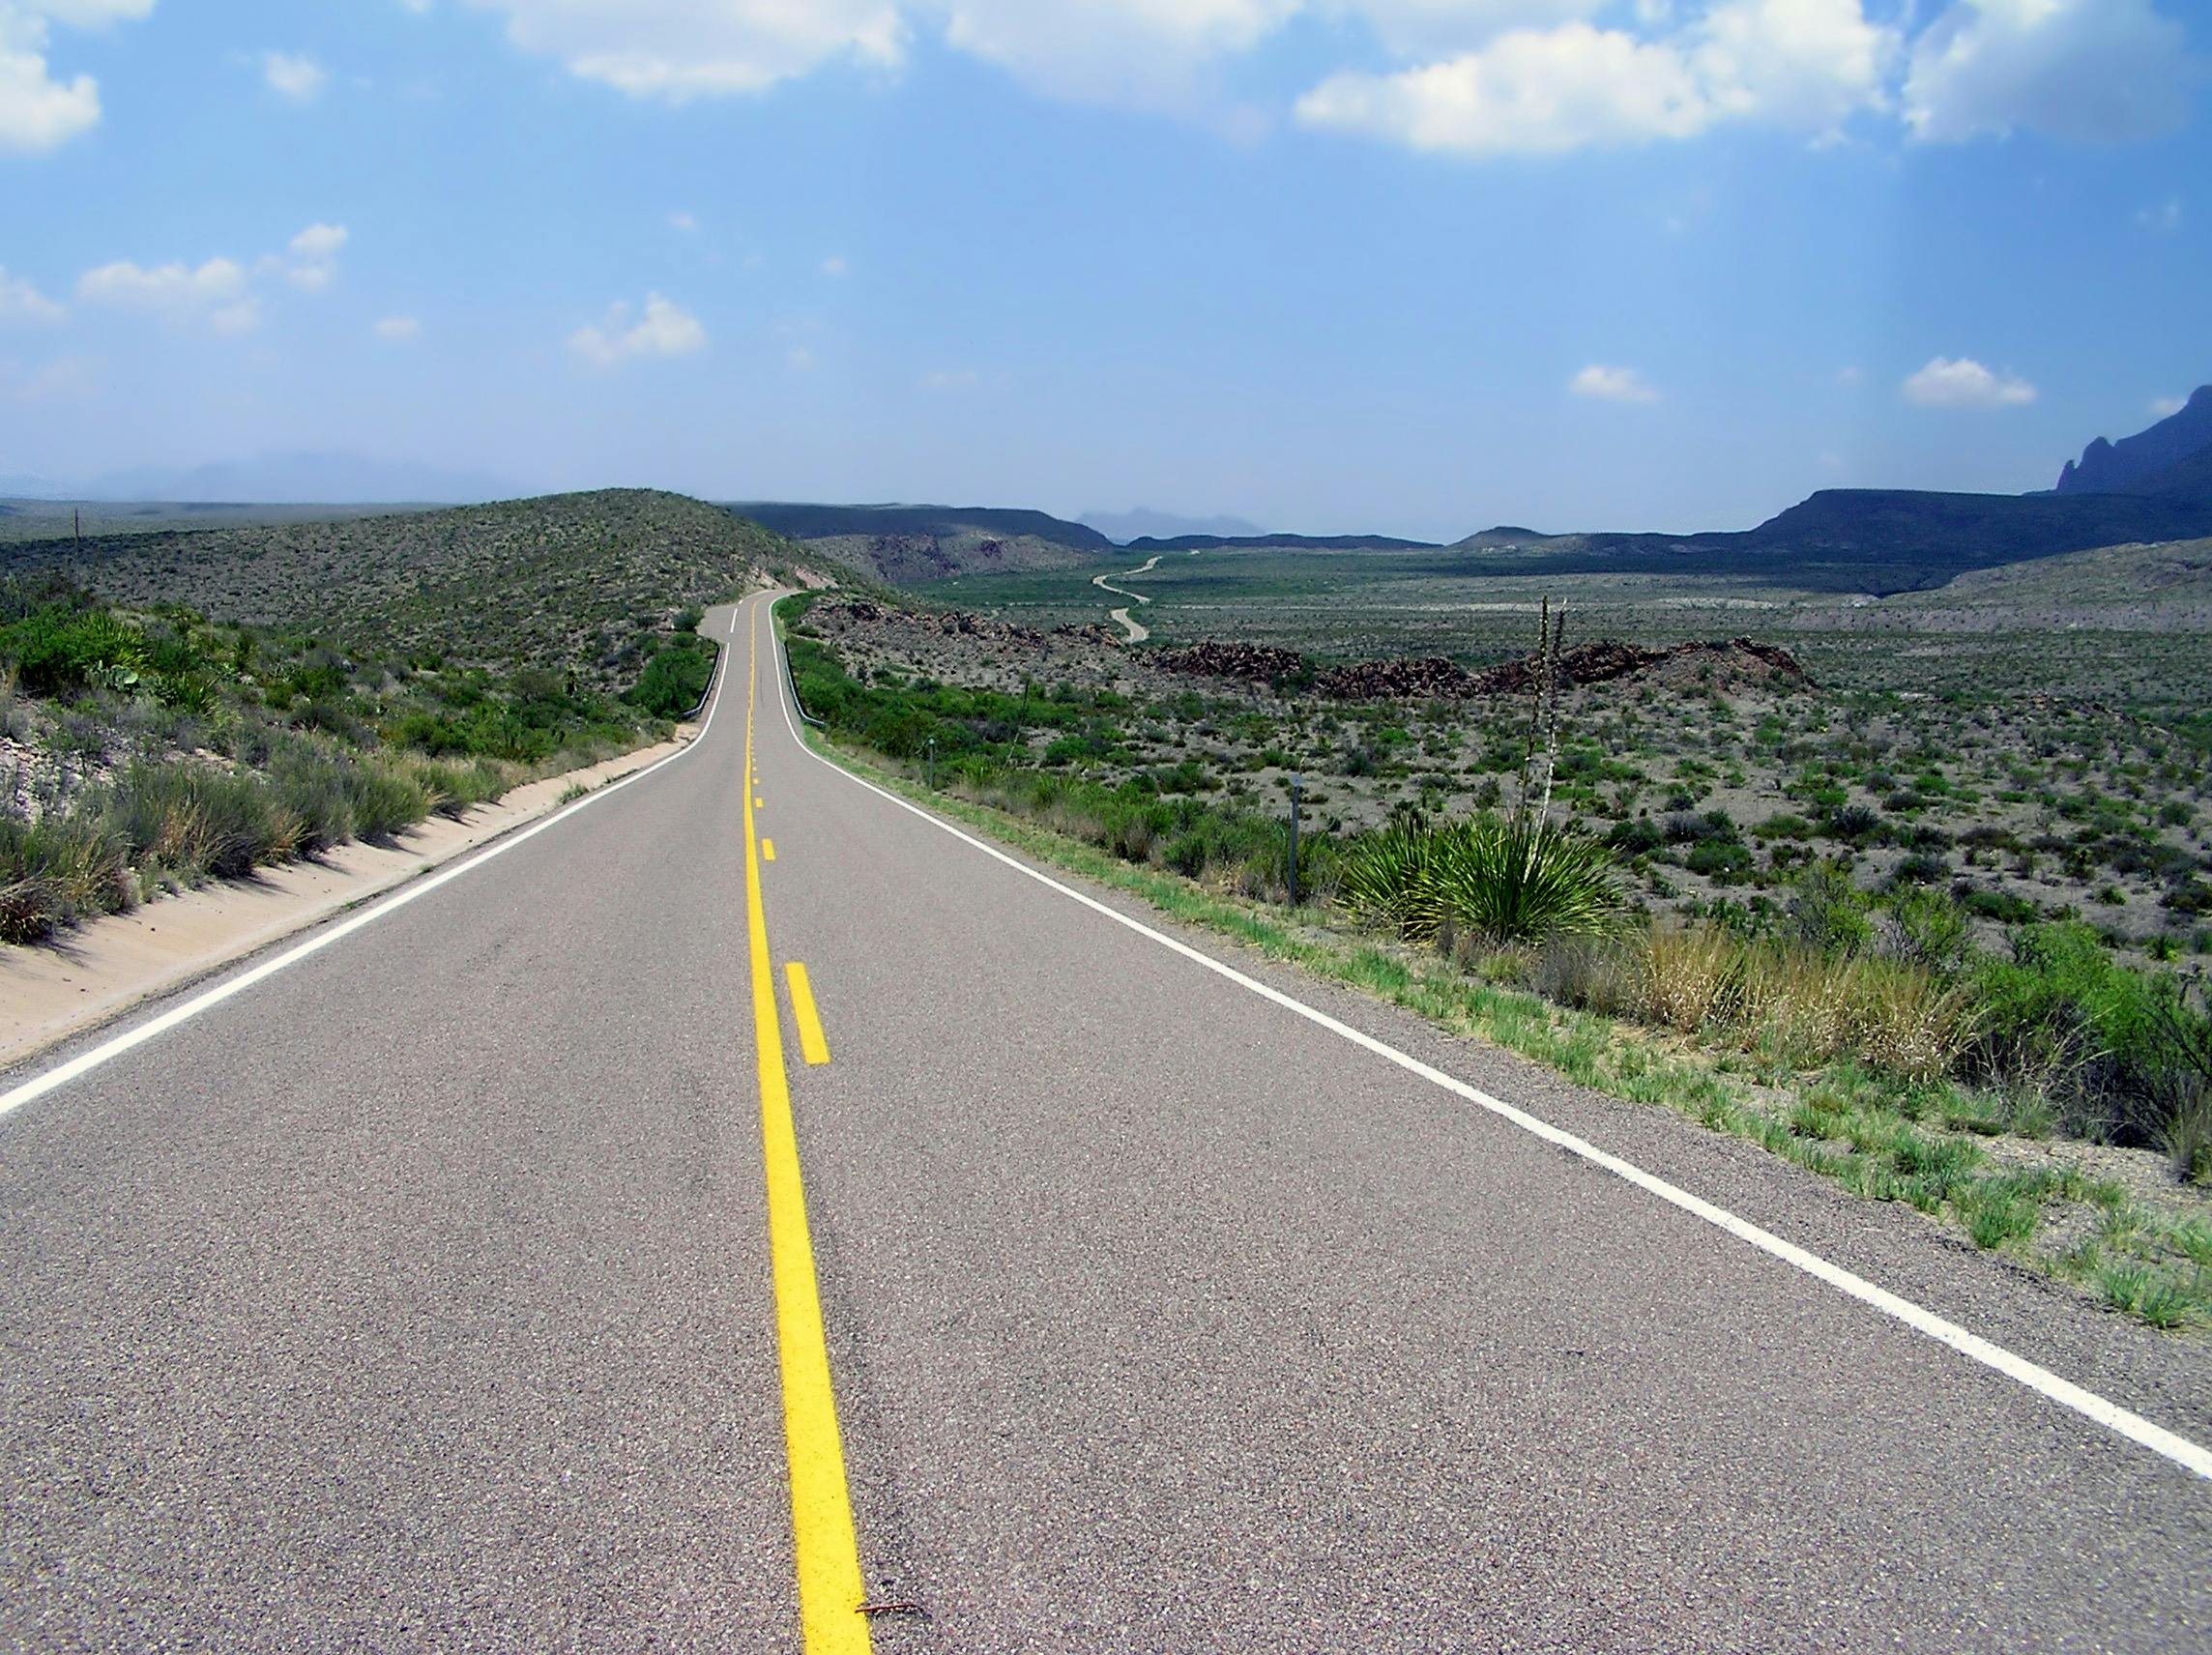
[(1791, 1003)]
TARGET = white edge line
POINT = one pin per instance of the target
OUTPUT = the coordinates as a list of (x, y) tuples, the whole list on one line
[(39, 1086), (2189, 1456)]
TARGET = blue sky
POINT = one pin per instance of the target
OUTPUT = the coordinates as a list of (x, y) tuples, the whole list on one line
[(1411, 266)]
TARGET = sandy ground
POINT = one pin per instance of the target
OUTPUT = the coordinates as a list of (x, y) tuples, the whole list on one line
[(100, 970)]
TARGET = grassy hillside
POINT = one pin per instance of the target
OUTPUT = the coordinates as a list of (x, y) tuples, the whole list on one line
[(572, 584), (181, 706)]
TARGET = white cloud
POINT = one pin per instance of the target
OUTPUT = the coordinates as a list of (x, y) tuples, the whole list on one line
[(1961, 382), (682, 221), (1809, 64), (680, 50), (951, 379), (1850, 378), (1562, 90), (292, 75), (320, 242), (2101, 71), (1442, 28), (835, 265), (663, 330), (1602, 384), (398, 330), (220, 294), (2167, 407), (1804, 64), (38, 111), (2165, 218), (21, 302), (1470, 76), (1145, 52), (311, 259), (176, 291)]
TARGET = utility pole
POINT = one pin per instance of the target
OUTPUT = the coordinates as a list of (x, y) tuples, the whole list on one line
[(77, 526), (1293, 841), (933, 763)]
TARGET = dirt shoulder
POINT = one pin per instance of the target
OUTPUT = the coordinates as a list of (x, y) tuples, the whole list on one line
[(100, 970)]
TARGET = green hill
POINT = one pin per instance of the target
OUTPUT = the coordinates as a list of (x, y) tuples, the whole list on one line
[(571, 582)]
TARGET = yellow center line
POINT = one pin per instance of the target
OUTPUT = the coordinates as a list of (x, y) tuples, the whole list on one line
[(768, 849), (810, 1038), (831, 1590)]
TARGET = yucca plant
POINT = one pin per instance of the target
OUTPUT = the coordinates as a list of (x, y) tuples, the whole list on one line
[(1518, 879), (1384, 878)]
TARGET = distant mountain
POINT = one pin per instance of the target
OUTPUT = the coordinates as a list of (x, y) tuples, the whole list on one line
[(1284, 543), (807, 522), (1142, 521), (2190, 482), (303, 479), (1504, 535), (912, 546), (2133, 464), (1872, 540)]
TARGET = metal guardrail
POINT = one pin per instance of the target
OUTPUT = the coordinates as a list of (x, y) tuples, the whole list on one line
[(721, 653), (790, 683)]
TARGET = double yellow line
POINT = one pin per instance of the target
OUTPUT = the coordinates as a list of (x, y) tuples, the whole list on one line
[(830, 1589)]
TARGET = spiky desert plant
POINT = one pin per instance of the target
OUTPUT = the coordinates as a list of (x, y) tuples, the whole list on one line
[(1384, 878), (1518, 879)]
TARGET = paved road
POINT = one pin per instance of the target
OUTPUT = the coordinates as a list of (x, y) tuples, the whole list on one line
[(429, 1295)]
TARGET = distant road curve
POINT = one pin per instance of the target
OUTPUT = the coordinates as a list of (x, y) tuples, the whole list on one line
[(1136, 632)]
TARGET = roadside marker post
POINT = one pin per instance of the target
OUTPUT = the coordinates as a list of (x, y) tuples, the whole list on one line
[(1293, 841)]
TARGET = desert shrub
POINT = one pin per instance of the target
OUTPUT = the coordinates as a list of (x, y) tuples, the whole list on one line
[(57, 871), (2120, 1049), (31, 910), (1929, 929), (195, 821), (1827, 913), (311, 783), (69, 644), (2001, 905), (675, 678), (384, 799)]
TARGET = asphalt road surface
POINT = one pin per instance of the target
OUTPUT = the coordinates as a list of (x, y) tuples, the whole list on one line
[(450, 1287)]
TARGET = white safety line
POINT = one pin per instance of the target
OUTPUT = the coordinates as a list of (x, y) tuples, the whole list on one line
[(109, 1050), (2188, 1455)]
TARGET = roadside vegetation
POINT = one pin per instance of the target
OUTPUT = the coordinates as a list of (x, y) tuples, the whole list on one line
[(149, 750), (1987, 1064)]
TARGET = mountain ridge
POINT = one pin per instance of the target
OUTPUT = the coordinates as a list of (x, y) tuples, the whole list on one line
[(2135, 464)]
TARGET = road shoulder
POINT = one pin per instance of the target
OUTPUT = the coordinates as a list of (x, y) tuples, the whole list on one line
[(99, 970)]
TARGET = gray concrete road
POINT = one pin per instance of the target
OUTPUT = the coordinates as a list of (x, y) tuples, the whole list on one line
[(420, 1297)]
